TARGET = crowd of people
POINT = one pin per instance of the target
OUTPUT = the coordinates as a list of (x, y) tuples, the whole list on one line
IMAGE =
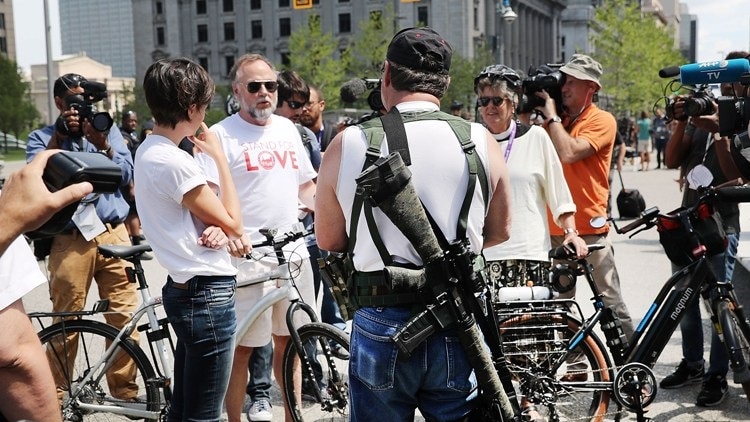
[(203, 194)]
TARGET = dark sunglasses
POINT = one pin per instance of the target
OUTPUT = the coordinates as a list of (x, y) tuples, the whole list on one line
[(484, 101), (254, 86), (294, 105)]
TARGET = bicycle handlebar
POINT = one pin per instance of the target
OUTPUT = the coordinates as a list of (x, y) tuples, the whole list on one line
[(648, 218), (278, 241)]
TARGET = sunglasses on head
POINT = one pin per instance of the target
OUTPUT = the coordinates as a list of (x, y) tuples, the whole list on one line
[(254, 86), (484, 101), (294, 105)]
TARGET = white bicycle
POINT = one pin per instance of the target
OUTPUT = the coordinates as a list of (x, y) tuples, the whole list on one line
[(86, 394)]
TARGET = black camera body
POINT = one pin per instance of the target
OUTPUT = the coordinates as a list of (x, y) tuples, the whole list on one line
[(548, 78), (68, 167), (699, 103), (93, 92)]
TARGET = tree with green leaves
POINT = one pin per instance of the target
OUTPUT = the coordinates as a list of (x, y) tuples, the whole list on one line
[(312, 54), (632, 47), (17, 112)]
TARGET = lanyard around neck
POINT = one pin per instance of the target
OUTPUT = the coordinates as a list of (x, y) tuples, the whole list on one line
[(510, 140)]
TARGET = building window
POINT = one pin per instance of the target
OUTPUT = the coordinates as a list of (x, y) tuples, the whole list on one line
[(203, 61), (202, 33), (228, 63), (345, 23), (159, 8), (344, 1), (284, 3), (228, 6), (160, 38), (200, 7), (2, 20), (256, 29), (3, 45), (228, 31), (255, 4), (422, 16), (286, 60), (285, 27)]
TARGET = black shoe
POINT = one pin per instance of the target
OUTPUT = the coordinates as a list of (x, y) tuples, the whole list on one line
[(683, 375), (713, 391), (339, 352)]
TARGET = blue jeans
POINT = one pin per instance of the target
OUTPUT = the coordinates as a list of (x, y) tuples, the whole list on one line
[(437, 378), (202, 315), (260, 364), (691, 325)]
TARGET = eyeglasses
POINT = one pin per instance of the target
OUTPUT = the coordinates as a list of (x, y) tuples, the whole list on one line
[(309, 104), (294, 105), (254, 86), (484, 101)]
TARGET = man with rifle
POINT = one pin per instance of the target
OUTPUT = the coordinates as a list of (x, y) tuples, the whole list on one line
[(410, 347)]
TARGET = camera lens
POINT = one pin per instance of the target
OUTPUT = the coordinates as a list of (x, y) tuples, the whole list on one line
[(101, 121)]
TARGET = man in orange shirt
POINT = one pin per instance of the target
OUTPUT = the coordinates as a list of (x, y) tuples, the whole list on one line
[(583, 137)]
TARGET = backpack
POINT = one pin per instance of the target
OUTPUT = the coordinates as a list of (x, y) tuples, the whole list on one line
[(661, 132)]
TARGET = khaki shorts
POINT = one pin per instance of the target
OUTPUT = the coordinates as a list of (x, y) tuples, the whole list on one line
[(644, 146), (273, 319)]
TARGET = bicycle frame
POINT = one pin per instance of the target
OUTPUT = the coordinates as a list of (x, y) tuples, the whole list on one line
[(157, 331)]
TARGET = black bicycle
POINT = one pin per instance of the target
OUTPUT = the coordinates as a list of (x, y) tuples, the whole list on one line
[(562, 369)]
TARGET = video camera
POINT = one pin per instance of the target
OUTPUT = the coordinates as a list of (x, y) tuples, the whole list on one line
[(93, 92), (547, 77), (699, 103), (353, 90), (734, 112)]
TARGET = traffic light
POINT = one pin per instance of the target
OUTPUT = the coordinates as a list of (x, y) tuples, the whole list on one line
[(303, 4)]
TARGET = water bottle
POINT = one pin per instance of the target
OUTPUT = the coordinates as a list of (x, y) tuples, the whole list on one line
[(512, 294)]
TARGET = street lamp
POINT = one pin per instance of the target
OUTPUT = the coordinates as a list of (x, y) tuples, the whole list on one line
[(504, 11)]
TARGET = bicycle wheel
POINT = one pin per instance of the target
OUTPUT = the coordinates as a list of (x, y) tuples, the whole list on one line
[(736, 332), (73, 350), (332, 387), (578, 390)]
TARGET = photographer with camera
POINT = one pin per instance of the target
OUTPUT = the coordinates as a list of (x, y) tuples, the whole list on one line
[(704, 159), (437, 378), (73, 257), (584, 137)]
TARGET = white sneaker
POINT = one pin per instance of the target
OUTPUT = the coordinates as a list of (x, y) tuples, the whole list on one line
[(260, 411)]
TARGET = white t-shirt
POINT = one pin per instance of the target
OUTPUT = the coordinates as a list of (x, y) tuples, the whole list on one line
[(268, 165), (439, 174), (163, 175), (537, 181), (19, 272)]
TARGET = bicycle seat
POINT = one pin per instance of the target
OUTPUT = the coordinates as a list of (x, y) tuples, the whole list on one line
[(122, 251)]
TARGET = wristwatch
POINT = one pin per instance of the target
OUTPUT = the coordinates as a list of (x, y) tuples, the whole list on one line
[(569, 230), (554, 119)]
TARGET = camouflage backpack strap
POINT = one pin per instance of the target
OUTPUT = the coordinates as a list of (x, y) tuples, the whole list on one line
[(373, 131), (462, 129)]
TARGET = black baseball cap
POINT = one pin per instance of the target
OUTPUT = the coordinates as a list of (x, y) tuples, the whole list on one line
[(420, 49)]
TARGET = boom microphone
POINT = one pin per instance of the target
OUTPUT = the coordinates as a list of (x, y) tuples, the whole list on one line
[(714, 72), (353, 90)]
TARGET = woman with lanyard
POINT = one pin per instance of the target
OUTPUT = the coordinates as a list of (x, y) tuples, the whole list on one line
[(537, 182)]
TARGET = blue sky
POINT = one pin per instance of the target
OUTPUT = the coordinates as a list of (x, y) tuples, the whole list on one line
[(723, 26)]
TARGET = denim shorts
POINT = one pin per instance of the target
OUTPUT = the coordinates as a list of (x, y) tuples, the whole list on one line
[(437, 379), (201, 312)]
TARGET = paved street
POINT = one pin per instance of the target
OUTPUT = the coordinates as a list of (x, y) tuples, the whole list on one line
[(643, 268)]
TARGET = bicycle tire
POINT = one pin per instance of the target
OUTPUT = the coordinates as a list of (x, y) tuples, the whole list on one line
[(334, 387), (736, 339), (92, 339), (531, 343)]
